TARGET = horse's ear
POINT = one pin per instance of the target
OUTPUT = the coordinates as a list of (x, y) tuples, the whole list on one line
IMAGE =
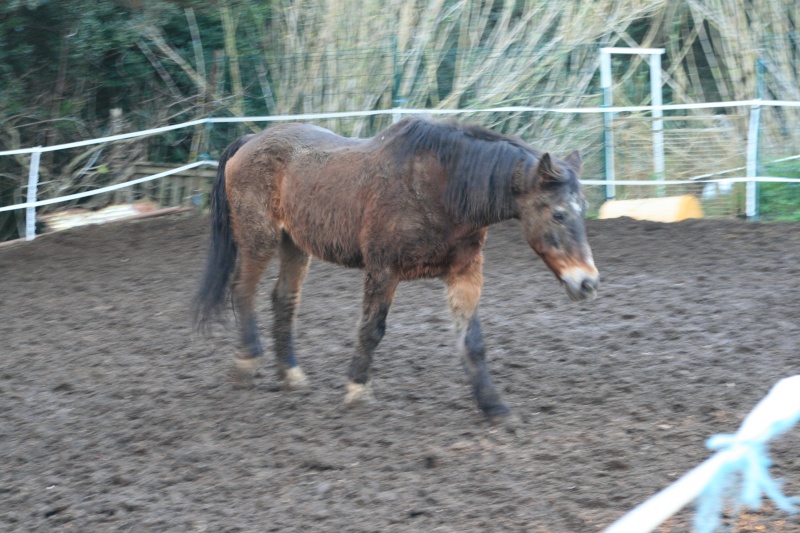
[(547, 169), (574, 161)]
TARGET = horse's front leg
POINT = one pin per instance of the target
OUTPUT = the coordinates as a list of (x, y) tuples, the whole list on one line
[(379, 289), (463, 293)]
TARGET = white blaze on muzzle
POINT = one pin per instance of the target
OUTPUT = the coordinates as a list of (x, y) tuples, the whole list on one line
[(581, 282)]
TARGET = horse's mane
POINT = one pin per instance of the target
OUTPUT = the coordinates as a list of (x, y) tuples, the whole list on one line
[(479, 164)]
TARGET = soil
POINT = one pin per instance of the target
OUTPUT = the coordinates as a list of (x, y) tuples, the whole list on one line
[(114, 416)]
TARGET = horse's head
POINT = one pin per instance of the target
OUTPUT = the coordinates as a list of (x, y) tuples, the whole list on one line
[(551, 210)]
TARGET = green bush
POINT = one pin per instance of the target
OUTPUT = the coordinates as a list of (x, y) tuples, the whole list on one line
[(780, 201)]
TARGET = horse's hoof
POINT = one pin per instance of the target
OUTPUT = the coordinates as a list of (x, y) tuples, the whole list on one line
[(358, 394), (243, 372), (246, 366), (497, 414), (512, 423), (295, 379)]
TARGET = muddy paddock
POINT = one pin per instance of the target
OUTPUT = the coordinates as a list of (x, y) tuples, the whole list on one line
[(115, 417)]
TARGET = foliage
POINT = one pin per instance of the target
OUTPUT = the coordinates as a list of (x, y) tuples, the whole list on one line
[(780, 201)]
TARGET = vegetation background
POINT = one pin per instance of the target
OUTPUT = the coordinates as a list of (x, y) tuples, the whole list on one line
[(78, 69)]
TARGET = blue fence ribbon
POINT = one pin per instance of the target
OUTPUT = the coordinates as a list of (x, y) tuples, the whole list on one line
[(749, 461)]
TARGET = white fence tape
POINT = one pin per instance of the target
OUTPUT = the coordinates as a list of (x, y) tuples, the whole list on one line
[(744, 453), (763, 179), (738, 179), (107, 189), (402, 111)]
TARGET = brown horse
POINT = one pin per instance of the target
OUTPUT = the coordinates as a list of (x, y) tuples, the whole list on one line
[(415, 201)]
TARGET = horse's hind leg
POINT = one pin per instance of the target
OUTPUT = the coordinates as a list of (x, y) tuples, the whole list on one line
[(250, 268), (285, 297), (463, 293)]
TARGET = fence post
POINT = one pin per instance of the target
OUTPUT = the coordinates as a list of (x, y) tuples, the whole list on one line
[(658, 124), (608, 117), (397, 111), (397, 79), (33, 185), (751, 190), (751, 195), (654, 60)]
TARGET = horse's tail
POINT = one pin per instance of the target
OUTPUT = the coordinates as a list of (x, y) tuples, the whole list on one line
[(222, 249)]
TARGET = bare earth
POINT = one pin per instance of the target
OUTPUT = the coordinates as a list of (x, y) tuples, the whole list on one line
[(114, 417)]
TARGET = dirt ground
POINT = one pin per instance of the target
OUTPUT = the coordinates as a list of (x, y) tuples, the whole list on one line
[(115, 417)]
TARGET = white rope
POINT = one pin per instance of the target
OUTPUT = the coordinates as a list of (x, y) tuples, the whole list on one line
[(738, 179), (763, 179), (107, 189), (346, 114), (403, 111)]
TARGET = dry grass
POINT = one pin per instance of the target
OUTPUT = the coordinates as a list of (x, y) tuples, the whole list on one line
[(331, 55)]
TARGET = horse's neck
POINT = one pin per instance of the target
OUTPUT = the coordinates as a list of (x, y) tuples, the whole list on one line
[(483, 196), (491, 213)]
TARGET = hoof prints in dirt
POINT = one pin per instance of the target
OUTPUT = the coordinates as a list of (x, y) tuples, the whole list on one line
[(115, 418)]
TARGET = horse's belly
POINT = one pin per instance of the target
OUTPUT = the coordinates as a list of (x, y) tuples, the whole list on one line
[(324, 242), (434, 254), (346, 258), (324, 221)]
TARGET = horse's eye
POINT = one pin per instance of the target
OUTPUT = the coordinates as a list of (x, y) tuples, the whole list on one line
[(558, 216)]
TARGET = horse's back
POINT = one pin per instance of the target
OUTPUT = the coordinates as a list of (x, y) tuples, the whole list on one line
[(305, 137)]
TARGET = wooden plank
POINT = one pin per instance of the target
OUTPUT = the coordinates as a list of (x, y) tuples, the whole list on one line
[(176, 189)]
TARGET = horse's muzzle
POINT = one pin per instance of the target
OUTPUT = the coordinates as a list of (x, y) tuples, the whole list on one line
[(581, 284)]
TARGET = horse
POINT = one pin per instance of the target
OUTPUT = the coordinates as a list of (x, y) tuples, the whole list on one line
[(415, 201)]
